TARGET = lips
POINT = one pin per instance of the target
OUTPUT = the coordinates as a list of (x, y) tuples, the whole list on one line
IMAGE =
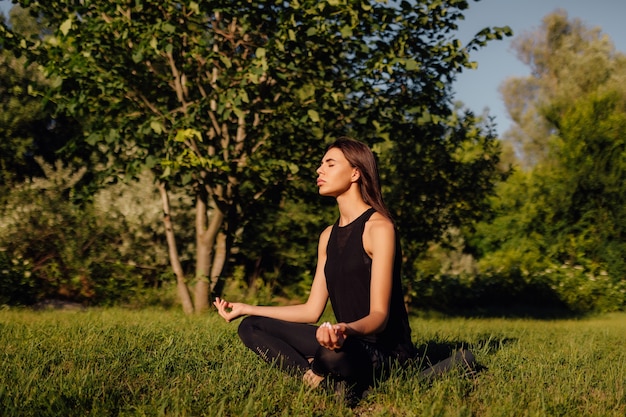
[(320, 182)]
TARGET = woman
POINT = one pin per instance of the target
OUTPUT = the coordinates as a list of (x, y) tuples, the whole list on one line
[(358, 269)]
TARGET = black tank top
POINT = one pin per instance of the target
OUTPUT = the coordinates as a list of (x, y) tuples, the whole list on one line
[(348, 276)]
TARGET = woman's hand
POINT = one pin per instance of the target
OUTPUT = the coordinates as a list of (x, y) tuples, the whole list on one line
[(332, 336), (229, 311)]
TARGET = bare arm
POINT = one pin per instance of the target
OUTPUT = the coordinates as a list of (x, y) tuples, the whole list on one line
[(308, 312)]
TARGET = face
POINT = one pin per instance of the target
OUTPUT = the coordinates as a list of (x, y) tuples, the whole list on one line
[(335, 174)]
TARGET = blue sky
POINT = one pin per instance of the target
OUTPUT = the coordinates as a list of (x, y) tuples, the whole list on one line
[(478, 89)]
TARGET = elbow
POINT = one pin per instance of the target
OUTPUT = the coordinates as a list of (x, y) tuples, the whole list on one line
[(383, 318), (374, 323), (310, 318), (315, 317), (303, 317), (312, 315)]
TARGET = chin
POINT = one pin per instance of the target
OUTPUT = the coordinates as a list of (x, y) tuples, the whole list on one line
[(327, 194)]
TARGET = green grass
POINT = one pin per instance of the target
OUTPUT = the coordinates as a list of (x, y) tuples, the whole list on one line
[(106, 362)]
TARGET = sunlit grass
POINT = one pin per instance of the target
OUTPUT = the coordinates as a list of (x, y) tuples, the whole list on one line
[(157, 363)]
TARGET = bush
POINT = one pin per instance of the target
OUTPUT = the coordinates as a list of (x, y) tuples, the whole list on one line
[(53, 248), (449, 279), (16, 285), (582, 289)]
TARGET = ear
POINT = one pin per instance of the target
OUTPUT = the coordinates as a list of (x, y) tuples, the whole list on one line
[(356, 174)]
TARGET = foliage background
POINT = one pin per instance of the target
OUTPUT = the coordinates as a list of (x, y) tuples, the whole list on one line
[(476, 233)]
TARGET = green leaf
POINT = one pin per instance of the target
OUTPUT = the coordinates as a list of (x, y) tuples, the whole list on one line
[(346, 31), (313, 115), (186, 178), (226, 61), (183, 134), (112, 136), (239, 113), (92, 138), (411, 65), (66, 26), (293, 168), (306, 92), (137, 57), (168, 28), (193, 6), (157, 127), (151, 161)]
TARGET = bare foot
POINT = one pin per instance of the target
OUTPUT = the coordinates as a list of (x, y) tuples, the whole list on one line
[(311, 379)]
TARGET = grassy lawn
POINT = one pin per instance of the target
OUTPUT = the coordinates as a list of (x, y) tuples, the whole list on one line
[(105, 362)]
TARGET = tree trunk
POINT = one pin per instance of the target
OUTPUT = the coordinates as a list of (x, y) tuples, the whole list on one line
[(219, 260), (205, 241), (181, 286)]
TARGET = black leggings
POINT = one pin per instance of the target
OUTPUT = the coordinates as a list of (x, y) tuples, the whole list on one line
[(291, 345)]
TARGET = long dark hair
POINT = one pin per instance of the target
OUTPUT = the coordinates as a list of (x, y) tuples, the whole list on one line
[(361, 157)]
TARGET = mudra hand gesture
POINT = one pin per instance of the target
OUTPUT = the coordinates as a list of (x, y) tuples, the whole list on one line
[(229, 311), (332, 336)]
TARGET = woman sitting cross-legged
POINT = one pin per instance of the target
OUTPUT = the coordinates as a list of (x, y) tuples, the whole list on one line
[(358, 269)]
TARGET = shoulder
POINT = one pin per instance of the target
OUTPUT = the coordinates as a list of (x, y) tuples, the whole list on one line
[(379, 232), (325, 236), (379, 224)]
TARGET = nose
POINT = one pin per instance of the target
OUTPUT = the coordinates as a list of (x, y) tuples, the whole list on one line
[(319, 169)]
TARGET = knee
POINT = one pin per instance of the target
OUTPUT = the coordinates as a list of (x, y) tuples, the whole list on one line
[(246, 328), (249, 328), (350, 362), (328, 361)]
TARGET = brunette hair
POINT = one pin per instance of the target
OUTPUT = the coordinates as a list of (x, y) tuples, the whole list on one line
[(361, 157)]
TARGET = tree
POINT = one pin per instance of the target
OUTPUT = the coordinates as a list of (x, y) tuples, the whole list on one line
[(566, 60), (27, 126), (22, 117), (562, 220), (229, 99)]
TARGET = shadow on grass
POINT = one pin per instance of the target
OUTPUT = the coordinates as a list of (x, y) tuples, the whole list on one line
[(497, 300), (431, 353), (512, 311)]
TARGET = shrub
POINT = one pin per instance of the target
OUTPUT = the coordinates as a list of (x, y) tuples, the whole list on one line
[(16, 285), (582, 289), (90, 253)]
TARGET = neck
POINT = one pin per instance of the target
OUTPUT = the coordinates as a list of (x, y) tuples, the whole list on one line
[(351, 206)]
